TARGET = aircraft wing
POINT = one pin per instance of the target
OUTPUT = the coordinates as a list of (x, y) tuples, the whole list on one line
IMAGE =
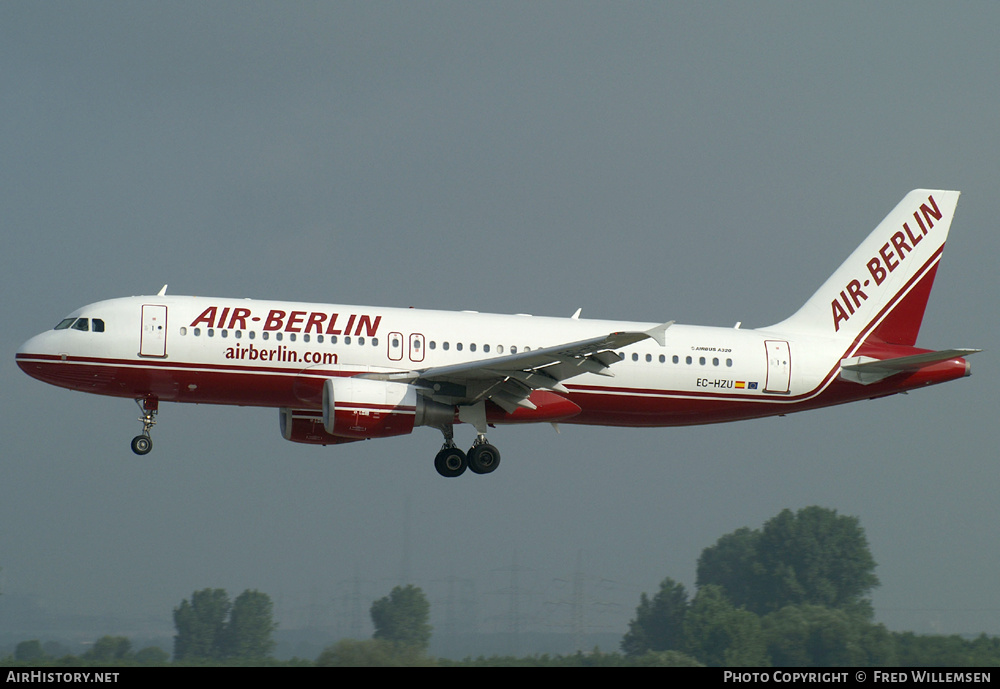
[(509, 380)]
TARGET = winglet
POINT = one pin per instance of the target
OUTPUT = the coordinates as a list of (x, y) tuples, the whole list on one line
[(659, 333)]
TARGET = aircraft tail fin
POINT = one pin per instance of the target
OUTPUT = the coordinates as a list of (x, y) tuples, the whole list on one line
[(880, 292)]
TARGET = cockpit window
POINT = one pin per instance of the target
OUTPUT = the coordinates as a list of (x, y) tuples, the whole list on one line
[(82, 324)]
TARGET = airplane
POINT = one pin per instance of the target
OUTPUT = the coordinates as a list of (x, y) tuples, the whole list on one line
[(340, 374)]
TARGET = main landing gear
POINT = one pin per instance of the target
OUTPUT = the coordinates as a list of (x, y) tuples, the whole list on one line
[(149, 406), (450, 462)]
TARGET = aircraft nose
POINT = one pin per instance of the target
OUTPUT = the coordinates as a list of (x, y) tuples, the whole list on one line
[(32, 355), (33, 345)]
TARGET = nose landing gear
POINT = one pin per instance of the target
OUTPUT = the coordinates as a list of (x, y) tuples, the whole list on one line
[(149, 406)]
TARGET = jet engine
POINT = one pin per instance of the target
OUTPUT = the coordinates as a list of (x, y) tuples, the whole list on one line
[(365, 408), (306, 426)]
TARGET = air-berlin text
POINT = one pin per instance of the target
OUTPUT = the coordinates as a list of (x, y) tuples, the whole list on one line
[(889, 257), (319, 322)]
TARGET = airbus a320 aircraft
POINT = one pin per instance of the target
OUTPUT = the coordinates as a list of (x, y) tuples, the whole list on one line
[(338, 374)]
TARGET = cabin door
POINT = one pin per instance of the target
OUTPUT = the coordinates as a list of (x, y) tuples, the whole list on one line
[(153, 338)]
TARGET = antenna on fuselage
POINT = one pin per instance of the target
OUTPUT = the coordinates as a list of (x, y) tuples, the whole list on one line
[(163, 290)]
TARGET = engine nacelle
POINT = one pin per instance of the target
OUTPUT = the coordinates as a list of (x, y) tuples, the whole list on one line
[(306, 426), (363, 408)]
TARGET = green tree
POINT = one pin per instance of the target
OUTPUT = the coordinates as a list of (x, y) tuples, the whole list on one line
[(248, 633), (372, 653), (721, 635), (664, 659), (810, 557), (659, 622), (152, 655), (402, 617), (935, 650), (201, 625), (27, 651), (109, 648), (732, 563), (814, 636)]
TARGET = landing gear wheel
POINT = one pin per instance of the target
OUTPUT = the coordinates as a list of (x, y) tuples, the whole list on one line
[(451, 462), (142, 444), (484, 458)]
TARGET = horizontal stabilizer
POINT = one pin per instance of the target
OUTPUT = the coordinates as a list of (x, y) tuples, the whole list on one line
[(867, 370)]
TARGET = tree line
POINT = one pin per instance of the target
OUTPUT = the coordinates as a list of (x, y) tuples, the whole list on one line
[(795, 592)]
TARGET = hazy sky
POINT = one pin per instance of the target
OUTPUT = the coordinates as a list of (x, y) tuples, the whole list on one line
[(700, 162)]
